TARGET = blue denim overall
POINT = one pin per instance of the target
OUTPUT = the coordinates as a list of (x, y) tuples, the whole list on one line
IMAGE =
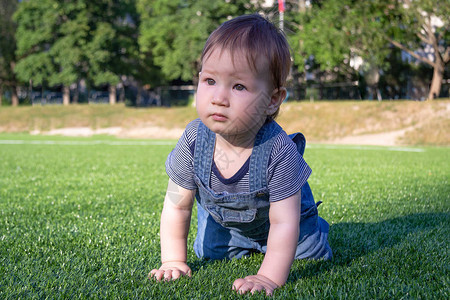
[(234, 225)]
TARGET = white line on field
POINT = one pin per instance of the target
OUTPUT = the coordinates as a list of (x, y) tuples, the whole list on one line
[(401, 149), (88, 143), (168, 143)]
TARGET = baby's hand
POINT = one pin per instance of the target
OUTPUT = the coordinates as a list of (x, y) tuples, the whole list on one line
[(170, 271), (253, 284)]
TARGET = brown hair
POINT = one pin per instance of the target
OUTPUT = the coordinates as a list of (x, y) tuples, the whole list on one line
[(258, 37)]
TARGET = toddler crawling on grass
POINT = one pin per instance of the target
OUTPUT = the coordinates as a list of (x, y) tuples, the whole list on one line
[(248, 176)]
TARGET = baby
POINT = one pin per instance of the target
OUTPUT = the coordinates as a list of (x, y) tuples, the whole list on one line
[(248, 176)]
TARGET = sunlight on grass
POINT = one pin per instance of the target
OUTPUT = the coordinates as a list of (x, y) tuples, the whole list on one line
[(82, 221)]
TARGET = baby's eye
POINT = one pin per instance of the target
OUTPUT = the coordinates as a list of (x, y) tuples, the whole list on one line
[(210, 81), (239, 87)]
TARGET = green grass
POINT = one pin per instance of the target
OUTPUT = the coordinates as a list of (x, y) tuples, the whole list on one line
[(82, 221)]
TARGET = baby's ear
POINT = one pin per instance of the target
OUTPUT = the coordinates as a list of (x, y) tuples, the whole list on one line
[(278, 96)]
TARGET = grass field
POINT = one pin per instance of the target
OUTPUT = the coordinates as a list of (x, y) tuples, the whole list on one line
[(79, 218)]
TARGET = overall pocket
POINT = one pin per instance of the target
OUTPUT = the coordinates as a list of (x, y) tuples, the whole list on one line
[(309, 211), (229, 217)]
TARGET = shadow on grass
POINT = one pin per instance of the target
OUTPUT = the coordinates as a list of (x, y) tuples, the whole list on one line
[(351, 241)]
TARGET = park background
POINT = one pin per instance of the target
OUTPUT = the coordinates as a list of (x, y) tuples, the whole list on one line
[(146, 52), (95, 94)]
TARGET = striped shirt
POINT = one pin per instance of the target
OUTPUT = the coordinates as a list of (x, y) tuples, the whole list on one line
[(286, 174)]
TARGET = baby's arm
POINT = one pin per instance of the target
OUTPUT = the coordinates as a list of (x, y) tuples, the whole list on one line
[(281, 246), (175, 221)]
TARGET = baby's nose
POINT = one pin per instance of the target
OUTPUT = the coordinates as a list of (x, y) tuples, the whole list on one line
[(221, 97)]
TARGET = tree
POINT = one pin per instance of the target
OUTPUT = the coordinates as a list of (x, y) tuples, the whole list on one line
[(67, 49), (421, 25), (7, 50), (36, 28), (61, 42), (112, 49), (337, 31), (173, 32)]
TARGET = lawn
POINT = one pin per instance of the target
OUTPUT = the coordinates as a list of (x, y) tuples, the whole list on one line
[(80, 219)]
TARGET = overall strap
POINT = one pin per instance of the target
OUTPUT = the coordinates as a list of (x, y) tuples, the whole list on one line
[(259, 160), (300, 141), (204, 152)]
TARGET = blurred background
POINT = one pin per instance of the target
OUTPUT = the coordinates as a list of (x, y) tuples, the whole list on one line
[(146, 52)]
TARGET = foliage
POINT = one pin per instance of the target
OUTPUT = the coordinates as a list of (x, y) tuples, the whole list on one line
[(7, 42), (334, 32), (7, 49), (154, 42), (80, 219), (173, 32), (60, 42)]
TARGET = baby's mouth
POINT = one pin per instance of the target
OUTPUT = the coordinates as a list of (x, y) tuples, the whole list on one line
[(219, 117)]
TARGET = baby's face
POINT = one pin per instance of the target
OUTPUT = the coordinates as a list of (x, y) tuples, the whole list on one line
[(232, 99)]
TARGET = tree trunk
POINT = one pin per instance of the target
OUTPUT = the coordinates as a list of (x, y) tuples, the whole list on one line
[(436, 82), (66, 95), (76, 97), (122, 94), (1, 95), (112, 94), (14, 96), (139, 95)]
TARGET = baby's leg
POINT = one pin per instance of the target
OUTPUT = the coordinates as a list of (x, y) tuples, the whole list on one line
[(314, 245), (214, 241)]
